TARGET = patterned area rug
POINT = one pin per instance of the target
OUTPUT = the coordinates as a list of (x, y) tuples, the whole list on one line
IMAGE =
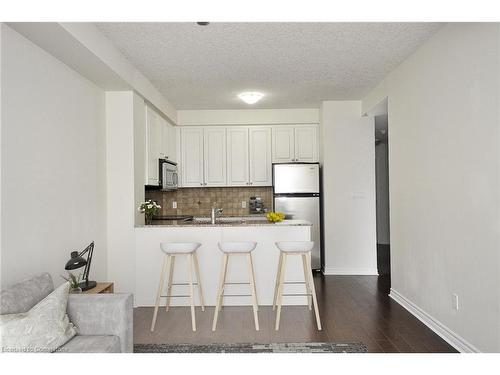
[(309, 347)]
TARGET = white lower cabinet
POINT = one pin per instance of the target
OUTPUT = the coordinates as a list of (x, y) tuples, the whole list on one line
[(260, 156)]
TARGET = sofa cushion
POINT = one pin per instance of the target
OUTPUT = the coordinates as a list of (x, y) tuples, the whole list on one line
[(91, 344), (44, 328), (22, 296)]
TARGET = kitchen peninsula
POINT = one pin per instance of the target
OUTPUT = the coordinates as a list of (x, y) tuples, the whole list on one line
[(149, 258)]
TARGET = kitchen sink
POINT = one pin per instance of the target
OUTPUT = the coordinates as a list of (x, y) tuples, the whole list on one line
[(228, 219)]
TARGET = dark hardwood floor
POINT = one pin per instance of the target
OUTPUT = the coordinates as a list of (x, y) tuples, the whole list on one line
[(352, 309)]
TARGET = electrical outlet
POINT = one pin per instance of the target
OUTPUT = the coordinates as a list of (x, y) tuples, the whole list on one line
[(174, 204), (243, 204), (454, 301)]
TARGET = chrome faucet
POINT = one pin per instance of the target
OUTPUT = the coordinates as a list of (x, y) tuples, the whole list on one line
[(215, 212)]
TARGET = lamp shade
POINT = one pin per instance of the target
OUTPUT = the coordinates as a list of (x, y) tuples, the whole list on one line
[(75, 262)]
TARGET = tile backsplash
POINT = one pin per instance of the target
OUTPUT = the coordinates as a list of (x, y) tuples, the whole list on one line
[(199, 201)]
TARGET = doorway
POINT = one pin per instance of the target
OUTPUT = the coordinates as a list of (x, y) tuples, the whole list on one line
[(382, 195)]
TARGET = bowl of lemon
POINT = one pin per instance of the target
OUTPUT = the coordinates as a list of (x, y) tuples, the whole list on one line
[(275, 217)]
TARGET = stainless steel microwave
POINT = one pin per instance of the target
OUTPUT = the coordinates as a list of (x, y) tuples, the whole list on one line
[(169, 178)]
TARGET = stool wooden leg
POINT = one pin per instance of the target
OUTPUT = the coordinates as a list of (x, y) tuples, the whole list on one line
[(198, 280), (254, 284), (220, 290), (191, 290), (224, 282), (170, 278), (254, 292), (277, 281), (158, 293), (313, 291), (280, 291), (306, 279)]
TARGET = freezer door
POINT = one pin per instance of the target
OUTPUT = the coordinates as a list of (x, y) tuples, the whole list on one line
[(304, 208), (295, 178)]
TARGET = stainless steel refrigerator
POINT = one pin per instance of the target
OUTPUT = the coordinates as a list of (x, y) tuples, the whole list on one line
[(296, 192)]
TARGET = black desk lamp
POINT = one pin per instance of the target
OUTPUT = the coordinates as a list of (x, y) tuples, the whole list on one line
[(77, 261)]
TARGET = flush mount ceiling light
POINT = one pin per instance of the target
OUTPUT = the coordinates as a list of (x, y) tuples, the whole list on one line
[(251, 97), (203, 23)]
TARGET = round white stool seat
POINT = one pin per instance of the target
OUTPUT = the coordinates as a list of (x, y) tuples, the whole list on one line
[(295, 246), (179, 247), (237, 247)]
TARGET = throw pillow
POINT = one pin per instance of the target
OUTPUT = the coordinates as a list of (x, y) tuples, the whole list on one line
[(44, 328)]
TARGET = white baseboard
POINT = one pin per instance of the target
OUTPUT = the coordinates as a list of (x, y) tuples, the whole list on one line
[(349, 271), (439, 328)]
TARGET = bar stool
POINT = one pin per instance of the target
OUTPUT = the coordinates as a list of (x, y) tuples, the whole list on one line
[(236, 248), (302, 248), (172, 250)]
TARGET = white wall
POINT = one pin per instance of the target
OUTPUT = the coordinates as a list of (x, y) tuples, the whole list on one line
[(348, 157), (53, 163), (140, 159), (444, 183), (248, 116), (123, 109), (1, 164)]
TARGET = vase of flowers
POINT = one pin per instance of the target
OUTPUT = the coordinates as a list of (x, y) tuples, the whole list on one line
[(149, 208), (74, 283)]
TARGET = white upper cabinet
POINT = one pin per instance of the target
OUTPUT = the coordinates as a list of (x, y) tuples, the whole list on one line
[(249, 156), (161, 143), (153, 146), (192, 157), (241, 155), (237, 157), (295, 143), (215, 157), (162, 124), (260, 156), (306, 143), (283, 144), (168, 140), (172, 143)]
